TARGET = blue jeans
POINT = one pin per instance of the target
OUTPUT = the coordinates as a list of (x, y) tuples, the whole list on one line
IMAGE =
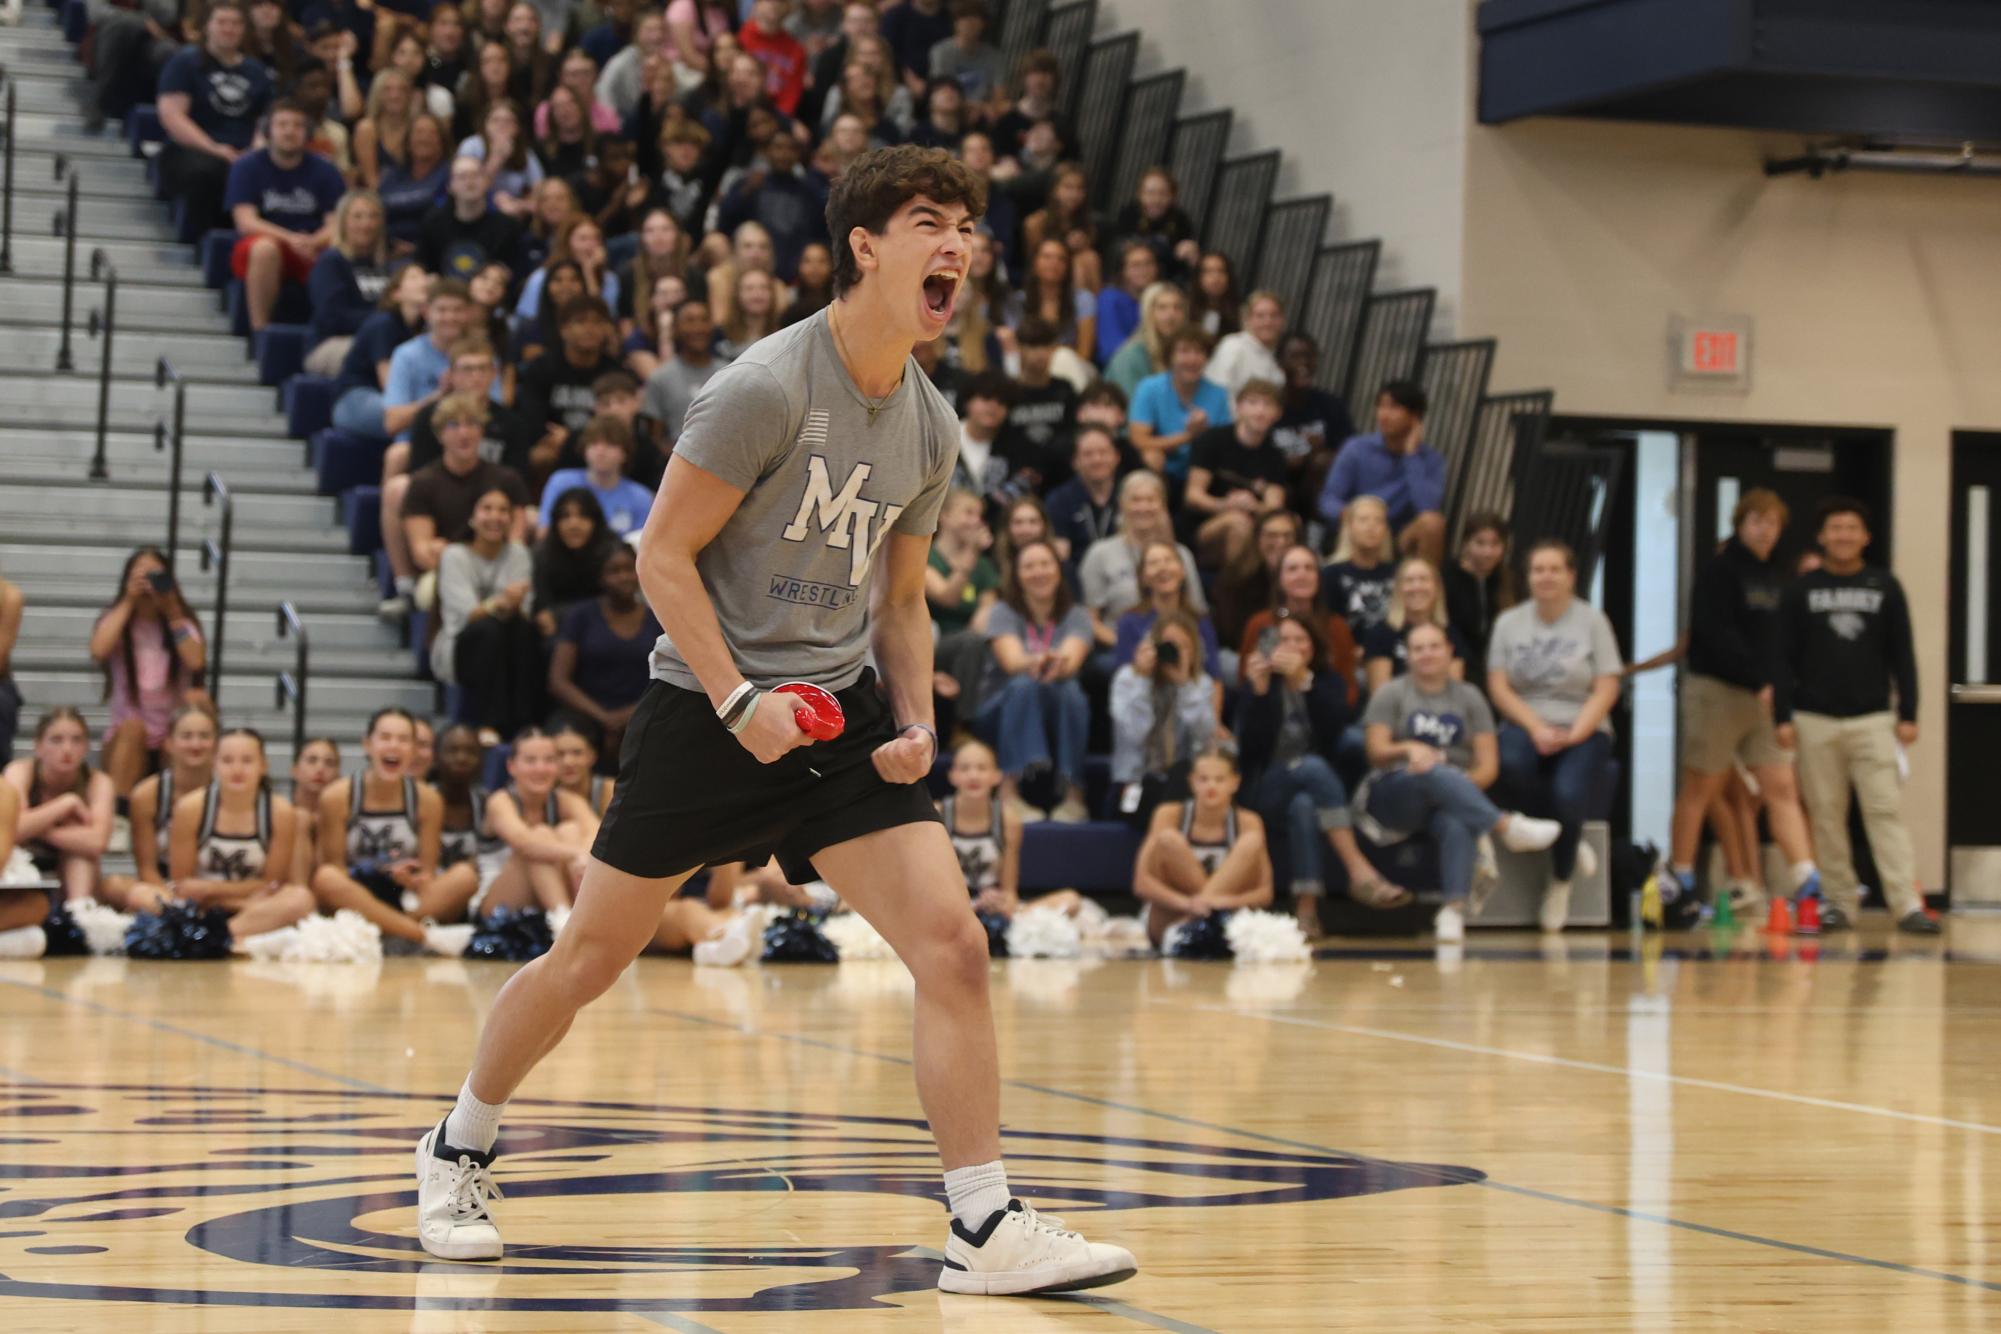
[(359, 412), (1445, 804), (1038, 722), (1308, 800), (1561, 787)]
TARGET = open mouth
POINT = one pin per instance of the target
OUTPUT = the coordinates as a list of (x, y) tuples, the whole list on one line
[(939, 289)]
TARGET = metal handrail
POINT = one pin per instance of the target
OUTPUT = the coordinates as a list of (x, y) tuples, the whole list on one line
[(103, 322), (66, 228), (7, 190), (163, 375), (216, 554), (292, 684)]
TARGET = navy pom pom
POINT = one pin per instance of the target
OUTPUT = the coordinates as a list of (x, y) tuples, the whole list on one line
[(180, 930), (797, 938), (513, 934), (996, 926), (65, 936), (1202, 938)]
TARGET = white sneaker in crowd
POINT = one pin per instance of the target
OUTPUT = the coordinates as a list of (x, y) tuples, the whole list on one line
[(1587, 860), (1555, 905), (453, 1222), (450, 941), (733, 944), (1018, 1251), (1449, 926), (1525, 833)]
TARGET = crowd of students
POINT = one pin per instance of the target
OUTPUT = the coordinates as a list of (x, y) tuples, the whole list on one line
[(525, 242)]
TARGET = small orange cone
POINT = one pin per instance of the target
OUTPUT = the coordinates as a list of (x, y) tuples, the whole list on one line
[(1809, 919), (1779, 918)]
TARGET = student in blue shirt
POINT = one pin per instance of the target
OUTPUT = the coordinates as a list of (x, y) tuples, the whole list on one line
[(417, 369), (607, 443), (1173, 407), (211, 97), (280, 200), (1395, 464)]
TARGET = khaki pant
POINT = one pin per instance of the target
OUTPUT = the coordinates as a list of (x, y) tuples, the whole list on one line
[(1835, 755)]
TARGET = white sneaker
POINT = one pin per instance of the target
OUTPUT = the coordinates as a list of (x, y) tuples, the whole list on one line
[(1486, 876), (739, 937), (1587, 860), (1555, 905), (121, 836), (1525, 833), (394, 609), (24, 942), (1449, 926), (450, 941), (1026, 813), (1018, 1251), (1070, 811), (453, 1222)]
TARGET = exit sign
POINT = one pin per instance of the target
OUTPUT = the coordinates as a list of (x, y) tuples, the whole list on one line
[(1711, 353)]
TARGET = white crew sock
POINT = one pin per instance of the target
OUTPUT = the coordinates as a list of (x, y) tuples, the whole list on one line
[(406, 584), (473, 1124), (977, 1193), (1802, 872)]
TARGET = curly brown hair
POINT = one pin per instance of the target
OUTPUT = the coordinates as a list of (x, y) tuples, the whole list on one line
[(878, 183)]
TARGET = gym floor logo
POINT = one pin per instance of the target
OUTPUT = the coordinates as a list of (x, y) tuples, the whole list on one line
[(309, 1192)]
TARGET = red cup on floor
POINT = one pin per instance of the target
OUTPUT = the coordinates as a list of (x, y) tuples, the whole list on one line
[(818, 713)]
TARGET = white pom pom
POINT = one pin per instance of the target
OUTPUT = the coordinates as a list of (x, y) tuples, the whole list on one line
[(346, 937), (1121, 937), (1043, 933), (102, 925), (20, 869), (854, 938), (558, 919), (1265, 937)]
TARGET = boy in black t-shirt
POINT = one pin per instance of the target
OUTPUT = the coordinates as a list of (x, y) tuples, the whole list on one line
[(556, 393), (438, 506), (1235, 476), (1313, 424), (1041, 410)]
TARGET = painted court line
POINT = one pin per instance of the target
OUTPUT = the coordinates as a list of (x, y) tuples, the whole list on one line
[(1598, 1067), (1529, 1192), (162, 1026)]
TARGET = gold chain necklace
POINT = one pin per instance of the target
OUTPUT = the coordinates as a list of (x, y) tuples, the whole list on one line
[(841, 344)]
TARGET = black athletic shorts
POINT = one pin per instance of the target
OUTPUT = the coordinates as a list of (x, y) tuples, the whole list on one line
[(689, 795)]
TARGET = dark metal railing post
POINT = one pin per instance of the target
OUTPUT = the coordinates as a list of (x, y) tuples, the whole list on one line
[(216, 554), (292, 684), (104, 323), (163, 374), (7, 191), (66, 228)]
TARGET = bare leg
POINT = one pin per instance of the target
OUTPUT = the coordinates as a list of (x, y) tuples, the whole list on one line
[(616, 915), (1424, 536), (22, 907), (261, 278), (1691, 804), (271, 910), (116, 891), (446, 897), (79, 876), (1239, 873), (1168, 857), (1223, 537), (1782, 811), (723, 880), (335, 889), (906, 882), (393, 542), (1360, 869), (550, 885), (510, 888), (145, 896), (125, 756), (683, 923)]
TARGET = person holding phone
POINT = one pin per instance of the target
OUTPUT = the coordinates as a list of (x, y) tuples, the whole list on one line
[(150, 647)]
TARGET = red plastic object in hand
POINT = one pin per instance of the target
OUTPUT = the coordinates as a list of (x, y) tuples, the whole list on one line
[(818, 714)]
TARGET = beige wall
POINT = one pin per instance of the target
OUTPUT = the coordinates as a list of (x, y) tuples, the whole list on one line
[(1876, 298)]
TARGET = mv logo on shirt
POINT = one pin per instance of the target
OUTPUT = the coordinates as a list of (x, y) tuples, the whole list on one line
[(1442, 730), (843, 519)]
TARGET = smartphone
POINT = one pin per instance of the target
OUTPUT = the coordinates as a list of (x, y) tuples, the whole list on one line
[(161, 581), (1268, 640)]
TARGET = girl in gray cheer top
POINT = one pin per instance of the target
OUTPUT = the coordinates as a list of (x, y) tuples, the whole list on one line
[(1431, 740), (790, 540), (188, 757), (231, 845)]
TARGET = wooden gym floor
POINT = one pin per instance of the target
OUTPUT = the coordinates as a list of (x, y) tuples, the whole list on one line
[(1525, 1138)]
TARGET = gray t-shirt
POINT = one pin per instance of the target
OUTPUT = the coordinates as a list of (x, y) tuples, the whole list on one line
[(1552, 664), (1448, 720), (1005, 620), (671, 389), (824, 485)]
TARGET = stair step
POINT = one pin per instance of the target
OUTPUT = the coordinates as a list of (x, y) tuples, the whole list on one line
[(46, 266), (248, 541), (199, 356), (195, 308), (245, 655), (251, 626), (44, 254), (128, 467), (42, 395), (97, 214), (84, 686), (120, 505), (253, 581), (132, 450)]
